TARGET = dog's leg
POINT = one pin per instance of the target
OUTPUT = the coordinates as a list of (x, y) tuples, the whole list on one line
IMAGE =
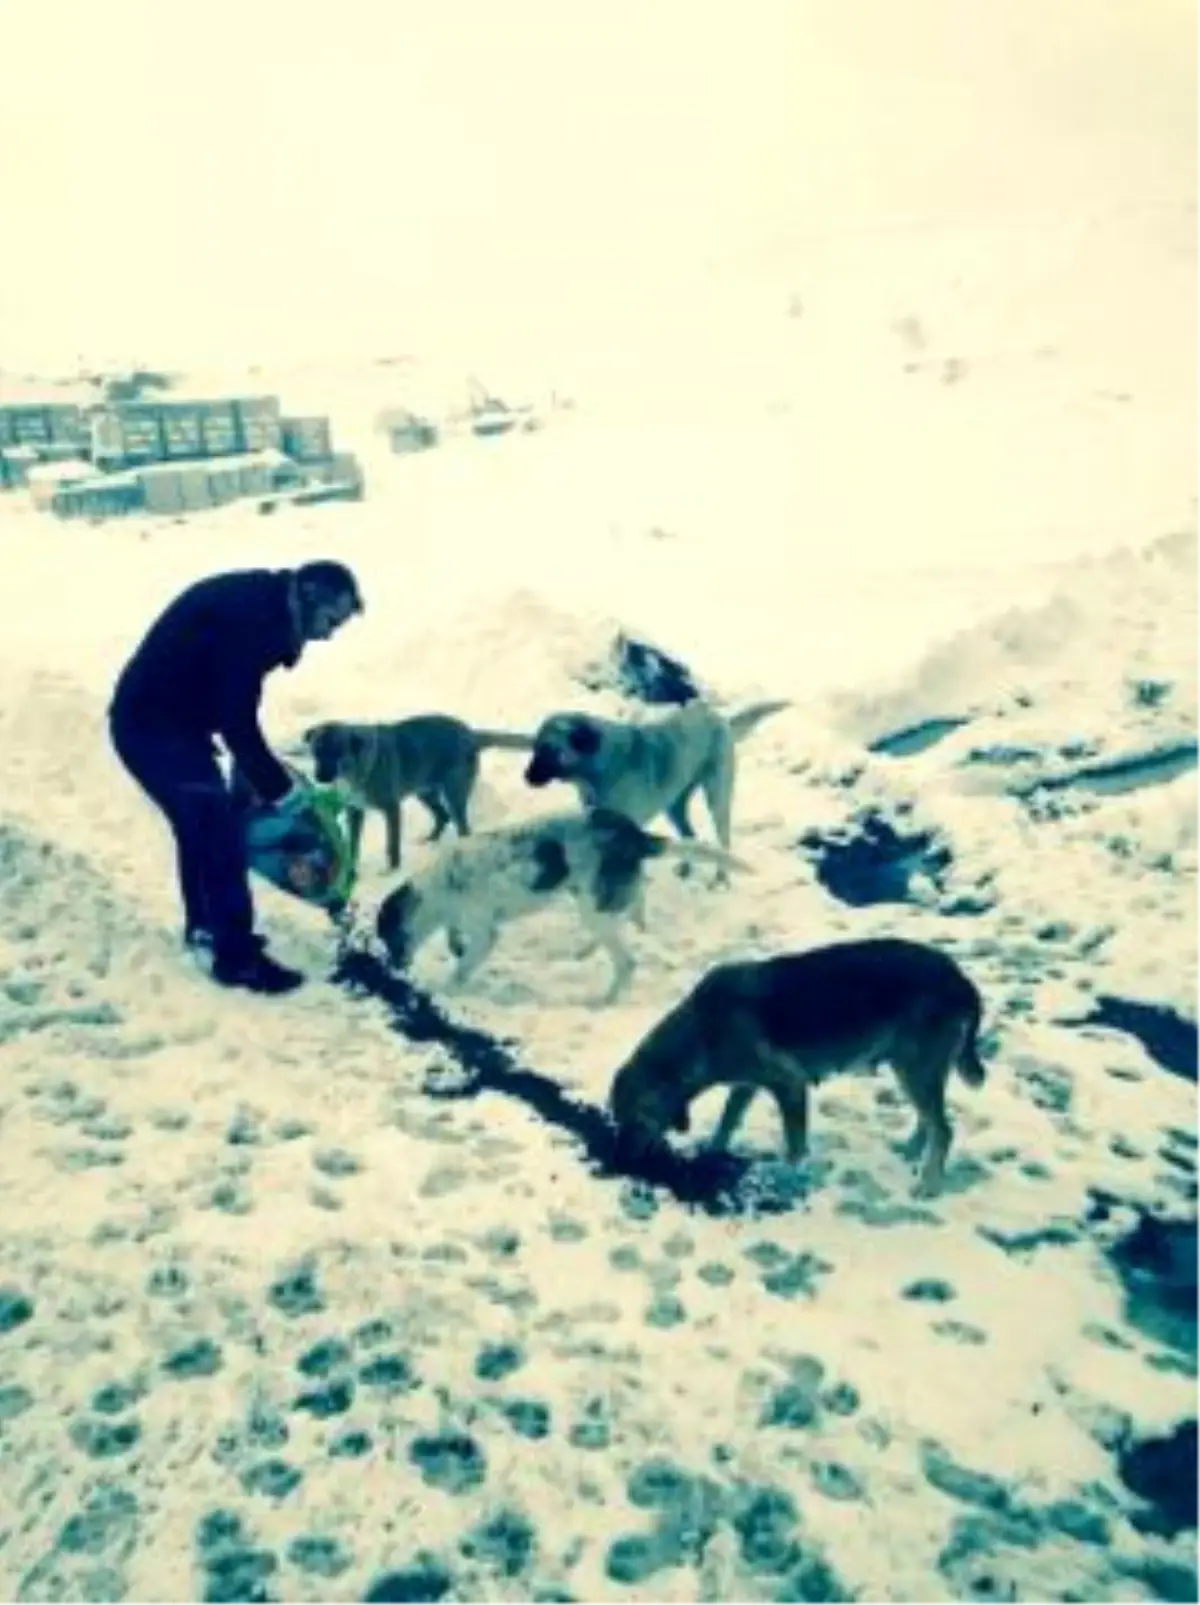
[(718, 794), (391, 816), (354, 830), (441, 814), (470, 948), (913, 1146), (637, 908), (456, 792), (738, 1101), (677, 813), (928, 1096), (457, 807), (933, 1166), (603, 931), (792, 1098)]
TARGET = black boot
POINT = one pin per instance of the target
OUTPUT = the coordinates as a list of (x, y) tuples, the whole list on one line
[(256, 971)]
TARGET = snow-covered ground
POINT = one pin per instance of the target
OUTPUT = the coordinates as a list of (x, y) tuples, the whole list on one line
[(886, 404), (274, 1323)]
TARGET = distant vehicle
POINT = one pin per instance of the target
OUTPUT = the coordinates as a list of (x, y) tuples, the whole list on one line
[(491, 416)]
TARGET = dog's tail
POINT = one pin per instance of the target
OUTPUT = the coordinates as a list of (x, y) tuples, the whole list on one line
[(695, 852), (509, 740), (969, 1064), (744, 722)]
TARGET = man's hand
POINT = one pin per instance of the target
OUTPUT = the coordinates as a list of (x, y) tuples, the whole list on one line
[(293, 801)]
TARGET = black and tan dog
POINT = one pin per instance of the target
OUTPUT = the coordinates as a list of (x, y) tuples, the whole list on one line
[(783, 1024), (643, 770), (432, 756)]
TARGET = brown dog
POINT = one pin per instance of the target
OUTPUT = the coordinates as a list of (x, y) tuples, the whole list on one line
[(783, 1024), (433, 757)]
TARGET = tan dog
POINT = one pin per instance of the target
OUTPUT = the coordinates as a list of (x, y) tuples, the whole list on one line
[(476, 887), (643, 770), (433, 757), (783, 1024)]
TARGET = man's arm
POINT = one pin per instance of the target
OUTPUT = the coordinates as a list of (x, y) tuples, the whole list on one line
[(238, 699)]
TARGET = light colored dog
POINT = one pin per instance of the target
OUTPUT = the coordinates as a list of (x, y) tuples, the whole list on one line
[(783, 1024), (643, 770), (476, 886), (432, 756)]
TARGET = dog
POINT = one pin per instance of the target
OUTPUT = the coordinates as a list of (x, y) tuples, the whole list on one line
[(643, 770), (476, 886), (433, 757), (782, 1024)]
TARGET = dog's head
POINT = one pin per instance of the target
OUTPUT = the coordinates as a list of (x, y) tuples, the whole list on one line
[(644, 1111), (394, 925), (564, 748), (337, 750)]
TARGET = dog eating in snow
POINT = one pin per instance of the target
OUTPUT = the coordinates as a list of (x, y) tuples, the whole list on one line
[(479, 884), (785, 1024)]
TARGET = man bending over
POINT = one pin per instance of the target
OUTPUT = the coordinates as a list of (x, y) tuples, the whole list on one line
[(198, 675)]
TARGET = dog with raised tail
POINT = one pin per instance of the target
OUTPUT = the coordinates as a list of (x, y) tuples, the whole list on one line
[(477, 885), (782, 1025), (649, 768)]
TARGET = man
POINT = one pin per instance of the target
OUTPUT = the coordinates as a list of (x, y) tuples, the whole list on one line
[(198, 674)]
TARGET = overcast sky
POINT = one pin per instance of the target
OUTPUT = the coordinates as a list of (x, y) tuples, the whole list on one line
[(189, 180)]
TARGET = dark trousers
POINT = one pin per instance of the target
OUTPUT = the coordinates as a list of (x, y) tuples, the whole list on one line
[(179, 772)]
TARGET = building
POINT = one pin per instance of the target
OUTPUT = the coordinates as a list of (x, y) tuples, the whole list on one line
[(213, 482), (132, 433), (54, 427), (103, 496), (169, 457), (46, 479), (307, 440)]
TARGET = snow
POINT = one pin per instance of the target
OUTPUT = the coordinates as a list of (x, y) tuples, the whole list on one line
[(924, 461), (467, 1223)]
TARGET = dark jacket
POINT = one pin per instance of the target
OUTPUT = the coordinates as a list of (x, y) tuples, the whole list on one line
[(200, 668)]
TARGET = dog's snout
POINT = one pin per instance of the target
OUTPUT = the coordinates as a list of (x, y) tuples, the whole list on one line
[(542, 767)]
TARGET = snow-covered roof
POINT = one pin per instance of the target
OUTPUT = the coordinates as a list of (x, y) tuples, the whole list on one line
[(48, 473), (268, 457)]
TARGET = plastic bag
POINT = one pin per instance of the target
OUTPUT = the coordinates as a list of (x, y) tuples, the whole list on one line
[(305, 852)]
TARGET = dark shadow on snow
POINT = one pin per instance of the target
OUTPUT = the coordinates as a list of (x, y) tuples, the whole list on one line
[(711, 1182), (876, 864), (1116, 775), (1170, 1039), (915, 738), (1156, 1262), (1162, 1472), (643, 672)]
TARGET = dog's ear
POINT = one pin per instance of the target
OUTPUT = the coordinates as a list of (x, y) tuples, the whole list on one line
[(583, 738)]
